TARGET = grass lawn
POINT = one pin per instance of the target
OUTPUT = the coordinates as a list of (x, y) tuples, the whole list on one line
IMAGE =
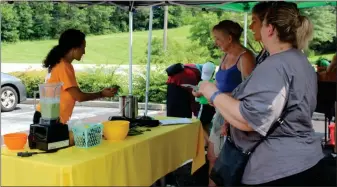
[(105, 49)]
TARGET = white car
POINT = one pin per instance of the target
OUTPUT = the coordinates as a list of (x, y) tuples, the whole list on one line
[(13, 91)]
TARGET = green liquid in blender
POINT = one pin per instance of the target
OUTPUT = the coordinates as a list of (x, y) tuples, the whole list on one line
[(50, 109)]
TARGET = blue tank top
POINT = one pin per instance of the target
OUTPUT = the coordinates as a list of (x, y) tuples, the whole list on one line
[(228, 79)]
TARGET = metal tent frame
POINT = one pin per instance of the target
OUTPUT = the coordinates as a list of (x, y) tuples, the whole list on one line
[(239, 6)]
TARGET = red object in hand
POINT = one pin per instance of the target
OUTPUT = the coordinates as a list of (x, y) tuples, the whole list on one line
[(332, 133)]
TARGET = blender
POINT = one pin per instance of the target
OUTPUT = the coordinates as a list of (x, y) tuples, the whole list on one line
[(50, 133)]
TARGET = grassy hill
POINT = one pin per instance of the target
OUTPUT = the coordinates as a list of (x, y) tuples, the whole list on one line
[(105, 49)]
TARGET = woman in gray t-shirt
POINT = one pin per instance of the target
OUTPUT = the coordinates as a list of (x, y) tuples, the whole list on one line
[(284, 80)]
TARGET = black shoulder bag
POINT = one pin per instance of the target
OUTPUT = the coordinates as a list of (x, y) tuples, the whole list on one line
[(231, 163)]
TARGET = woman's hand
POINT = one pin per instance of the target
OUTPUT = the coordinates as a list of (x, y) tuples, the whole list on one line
[(109, 92), (196, 94), (207, 89)]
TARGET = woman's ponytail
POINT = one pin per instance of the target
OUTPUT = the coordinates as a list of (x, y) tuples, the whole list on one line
[(69, 39), (54, 56), (304, 32)]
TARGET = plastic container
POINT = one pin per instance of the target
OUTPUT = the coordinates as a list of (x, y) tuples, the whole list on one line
[(116, 130), (88, 135), (50, 100), (332, 133), (15, 141)]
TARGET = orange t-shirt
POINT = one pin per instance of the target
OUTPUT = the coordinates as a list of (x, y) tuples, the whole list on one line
[(63, 72)]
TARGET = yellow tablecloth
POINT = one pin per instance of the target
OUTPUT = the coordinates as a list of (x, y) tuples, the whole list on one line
[(136, 161)]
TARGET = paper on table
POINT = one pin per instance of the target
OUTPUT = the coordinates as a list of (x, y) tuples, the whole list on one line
[(175, 121)]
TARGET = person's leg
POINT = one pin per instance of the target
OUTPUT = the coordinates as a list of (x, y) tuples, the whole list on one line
[(213, 152), (211, 158)]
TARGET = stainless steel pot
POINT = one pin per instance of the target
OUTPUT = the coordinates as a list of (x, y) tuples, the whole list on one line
[(128, 106)]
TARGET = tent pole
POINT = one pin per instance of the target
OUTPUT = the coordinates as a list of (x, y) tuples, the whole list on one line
[(148, 61), (130, 50), (245, 29), (165, 28)]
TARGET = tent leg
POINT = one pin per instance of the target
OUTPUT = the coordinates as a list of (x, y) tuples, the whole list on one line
[(130, 50), (245, 29), (148, 62)]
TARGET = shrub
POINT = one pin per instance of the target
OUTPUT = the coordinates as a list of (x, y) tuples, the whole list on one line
[(31, 79), (101, 77), (157, 87)]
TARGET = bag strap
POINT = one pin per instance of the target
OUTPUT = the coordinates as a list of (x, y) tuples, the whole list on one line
[(276, 124)]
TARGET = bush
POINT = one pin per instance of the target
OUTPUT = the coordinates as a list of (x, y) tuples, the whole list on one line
[(157, 87), (102, 77), (31, 79)]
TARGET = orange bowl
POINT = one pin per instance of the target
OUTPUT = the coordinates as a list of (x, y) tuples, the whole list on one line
[(15, 141), (116, 130)]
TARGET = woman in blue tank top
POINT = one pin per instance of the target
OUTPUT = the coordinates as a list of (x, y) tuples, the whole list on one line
[(237, 64)]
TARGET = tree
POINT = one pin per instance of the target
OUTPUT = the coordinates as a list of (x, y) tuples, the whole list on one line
[(98, 19), (67, 16), (42, 19), (141, 19), (324, 21), (25, 18), (120, 20), (9, 23)]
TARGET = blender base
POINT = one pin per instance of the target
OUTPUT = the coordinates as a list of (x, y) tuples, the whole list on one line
[(48, 137)]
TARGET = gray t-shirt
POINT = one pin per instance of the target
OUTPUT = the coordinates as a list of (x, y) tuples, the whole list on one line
[(292, 147)]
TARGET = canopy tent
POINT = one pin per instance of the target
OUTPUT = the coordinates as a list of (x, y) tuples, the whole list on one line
[(245, 7), (248, 6)]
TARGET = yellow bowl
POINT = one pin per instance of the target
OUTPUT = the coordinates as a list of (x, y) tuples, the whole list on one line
[(116, 130)]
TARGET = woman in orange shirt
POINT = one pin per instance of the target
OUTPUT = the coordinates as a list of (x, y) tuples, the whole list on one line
[(71, 46)]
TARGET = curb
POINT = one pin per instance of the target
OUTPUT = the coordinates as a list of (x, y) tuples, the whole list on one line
[(107, 104)]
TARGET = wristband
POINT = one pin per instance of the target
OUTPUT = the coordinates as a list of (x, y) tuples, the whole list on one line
[(214, 95)]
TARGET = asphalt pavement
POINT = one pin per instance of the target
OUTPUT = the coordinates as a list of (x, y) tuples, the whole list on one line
[(21, 118)]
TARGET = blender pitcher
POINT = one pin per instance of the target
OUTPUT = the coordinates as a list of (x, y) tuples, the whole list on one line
[(50, 100)]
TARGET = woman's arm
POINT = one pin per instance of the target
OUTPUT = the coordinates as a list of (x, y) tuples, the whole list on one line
[(80, 96), (228, 107), (247, 62), (259, 104)]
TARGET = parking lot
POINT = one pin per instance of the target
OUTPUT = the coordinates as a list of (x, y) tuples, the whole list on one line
[(21, 118)]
